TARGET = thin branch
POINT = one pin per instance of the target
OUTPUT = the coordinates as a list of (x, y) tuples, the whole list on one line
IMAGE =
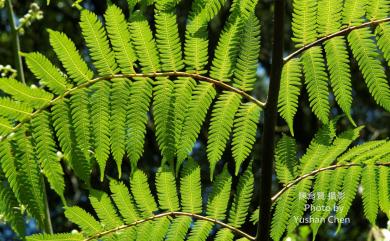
[(341, 32), (15, 42), (171, 214), (137, 75), (315, 172)]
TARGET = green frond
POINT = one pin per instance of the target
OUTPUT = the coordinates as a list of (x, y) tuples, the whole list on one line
[(14, 110), (304, 22), (67, 53), (84, 220), (370, 192), (166, 189), (365, 51), (178, 229), (163, 113), (353, 12), (290, 89), (145, 231), (33, 96), (142, 194), (29, 177), (329, 16), (144, 43), (160, 229), (100, 115), (378, 9), (9, 208), (56, 237), (285, 159), (200, 231), (137, 117), (282, 214), (47, 74), (316, 81), (80, 115), (360, 150), (224, 235), (255, 216), (119, 99), (167, 37), (242, 199), (6, 126), (349, 188), (202, 97), (46, 152), (105, 210), (124, 201), (191, 202), (340, 75), (247, 60), (244, 132), (65, 133), (96, 39), (383, 40), (384, 190), (119, 35), (8, 166), (222, 119)]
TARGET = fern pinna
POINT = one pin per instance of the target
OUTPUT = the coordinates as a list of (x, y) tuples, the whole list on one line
[(77, 117)]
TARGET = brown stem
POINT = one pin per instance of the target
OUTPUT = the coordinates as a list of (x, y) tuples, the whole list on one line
[(148, 75), (341, 32), (270, 117), (315, 172), (171, 214)]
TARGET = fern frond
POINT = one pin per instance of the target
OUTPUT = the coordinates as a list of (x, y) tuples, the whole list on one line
[(163, 113), (119, 99), (377, 9), (160, 229), (316, 82), (244, 132), (84, 220), (178, 229), (340, 76), (224, 235), (61, 118), (200, 231), (46, 152), (370, 192), (246, 65), (304, 22), (5, 126), (80, 112), (190, 180), (47, 73), (167, 37), (14, 110), (67, 53), (124, 201), (353, 12), (243, 196), (120, 39), (166, 189), (29, 178), (285, 159), (289, 92), (222, 119), (144, 43), (282, 214), (142, 194), (56, 237), (105, 210), (384, 190), (360, 150), (8, 166), (9, 208), (329, 16), (96, 39), (365, 51), (33, 96), (383, 40), (100, 104), (203, 95), (137, 117)]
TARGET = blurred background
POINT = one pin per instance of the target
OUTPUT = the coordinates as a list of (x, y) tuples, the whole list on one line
[(61, 16)]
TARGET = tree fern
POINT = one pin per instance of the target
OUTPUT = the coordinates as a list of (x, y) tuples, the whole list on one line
[(124, 201), (166, 187), (353, 12), (8, 166), (142, 194), (5, 126), (286, 160), (282, 215), (84, 220), (384, 192), (56, 237), (370, 192), (105, 210), (67, 53), (304, 22), (383, 33), (14, 110)]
